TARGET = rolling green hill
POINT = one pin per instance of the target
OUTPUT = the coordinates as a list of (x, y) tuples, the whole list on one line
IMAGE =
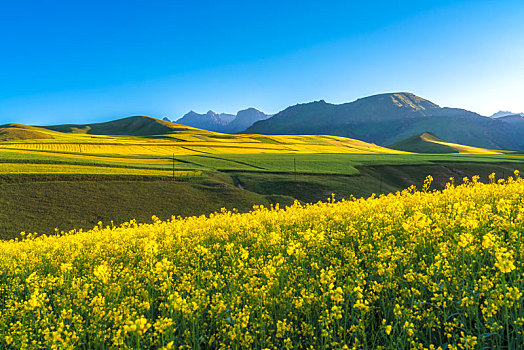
[(388, 118), (22, 132), (135, 126), (431, 143), (144, 146), (423, 143)]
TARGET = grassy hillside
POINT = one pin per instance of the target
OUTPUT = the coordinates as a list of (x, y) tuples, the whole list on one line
[(380, 178), (76, 175), (66, 203), (117, 148), (41, 203), (423, 143), (22, 132), (430, 143), (138, 125)]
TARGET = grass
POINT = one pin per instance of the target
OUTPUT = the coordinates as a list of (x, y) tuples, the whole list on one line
[(39, 203), (372, 179), (195, 149), (430, 143), (277, 163), (339, 164), (42, 206), (29, 168), (155, 152)]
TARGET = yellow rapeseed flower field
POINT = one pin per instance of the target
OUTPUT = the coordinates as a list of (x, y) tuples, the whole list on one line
[(193, 144), (415, 269)]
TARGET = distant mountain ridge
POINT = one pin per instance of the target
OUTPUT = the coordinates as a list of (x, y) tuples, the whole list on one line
[(223, 122), (501, 114), (400, 119), (388, 118), (209, 121)]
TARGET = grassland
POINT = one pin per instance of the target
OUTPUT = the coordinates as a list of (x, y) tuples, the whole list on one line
[(43, 205), (186, 149), (57, 168), (430, 143), (372, 179)]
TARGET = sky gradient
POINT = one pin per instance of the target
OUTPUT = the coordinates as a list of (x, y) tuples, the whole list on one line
[(80, 62)]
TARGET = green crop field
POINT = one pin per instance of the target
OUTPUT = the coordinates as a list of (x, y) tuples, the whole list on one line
[(329, 163), (155, 148)]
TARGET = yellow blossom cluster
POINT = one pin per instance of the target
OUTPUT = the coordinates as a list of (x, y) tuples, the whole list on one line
[(414, 269)]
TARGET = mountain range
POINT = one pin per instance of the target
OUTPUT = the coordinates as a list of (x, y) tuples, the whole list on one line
[(400, 121), (500, 114), (223, 122), (389, 118)]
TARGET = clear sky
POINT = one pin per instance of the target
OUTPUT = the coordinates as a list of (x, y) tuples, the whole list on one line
[(86, 61)]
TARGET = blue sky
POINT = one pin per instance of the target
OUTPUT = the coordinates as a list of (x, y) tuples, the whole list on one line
[(86, 61)]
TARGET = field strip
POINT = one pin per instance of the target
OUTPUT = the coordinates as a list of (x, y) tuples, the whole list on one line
[(234, 161), (72, 155), (101, 155), (27, 168)]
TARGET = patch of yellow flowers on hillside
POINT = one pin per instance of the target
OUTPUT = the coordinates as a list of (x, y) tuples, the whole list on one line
[(415, 269)]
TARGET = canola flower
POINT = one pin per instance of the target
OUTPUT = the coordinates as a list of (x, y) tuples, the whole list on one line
[(415, 269), (189, 142)]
